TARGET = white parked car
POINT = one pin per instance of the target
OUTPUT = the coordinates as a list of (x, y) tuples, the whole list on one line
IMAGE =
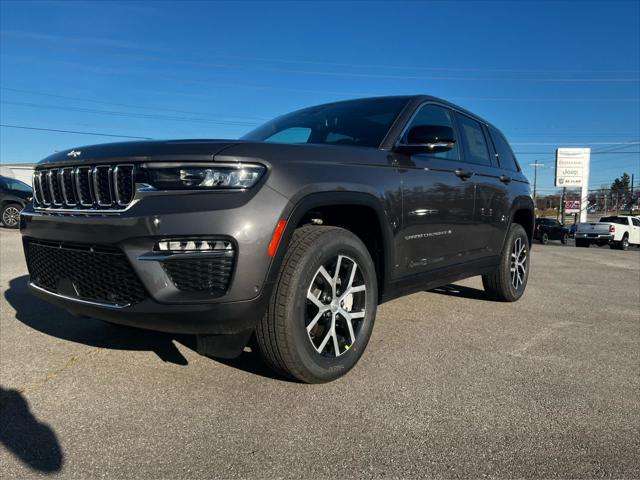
[(619, 231)]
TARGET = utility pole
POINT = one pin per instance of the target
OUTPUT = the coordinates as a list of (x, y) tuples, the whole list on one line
[(632, 199), (535, 166)]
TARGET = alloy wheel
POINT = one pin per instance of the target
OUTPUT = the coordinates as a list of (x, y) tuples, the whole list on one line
[(11, 216), (335, 307), (518, 263)]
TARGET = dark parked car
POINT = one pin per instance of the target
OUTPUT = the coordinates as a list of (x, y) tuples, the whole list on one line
[(550, 229), (14, 196), (292, 235)]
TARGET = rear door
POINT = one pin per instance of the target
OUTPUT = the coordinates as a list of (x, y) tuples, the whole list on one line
[(634, 234), (555, 229), (438, 202), (491, 187)]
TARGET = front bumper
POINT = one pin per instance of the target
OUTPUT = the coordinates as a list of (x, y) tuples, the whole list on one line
[(247, 219)]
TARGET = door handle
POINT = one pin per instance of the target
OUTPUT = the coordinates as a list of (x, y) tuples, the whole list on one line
[(504, 179), (463, 174)]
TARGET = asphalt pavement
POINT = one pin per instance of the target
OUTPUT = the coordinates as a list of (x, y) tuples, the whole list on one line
[(452, 385)]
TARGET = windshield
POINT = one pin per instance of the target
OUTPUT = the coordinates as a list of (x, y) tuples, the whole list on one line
[(13, 184), (362, 123)]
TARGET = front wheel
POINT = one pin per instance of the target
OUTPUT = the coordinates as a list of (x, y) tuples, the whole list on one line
[(322, 310), (509, 280)]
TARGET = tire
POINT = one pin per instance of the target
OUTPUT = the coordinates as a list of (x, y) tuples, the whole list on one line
[(10, 215), (544, 238), (500, 284), (564, 239), (624, 243), (582, 243), (284, 337)]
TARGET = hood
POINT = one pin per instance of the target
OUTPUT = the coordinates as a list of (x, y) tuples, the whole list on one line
[(139, 151), (22, 194)]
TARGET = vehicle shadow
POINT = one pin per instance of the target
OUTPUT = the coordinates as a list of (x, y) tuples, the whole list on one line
[(55, 321), (33, 442), (460, 291)]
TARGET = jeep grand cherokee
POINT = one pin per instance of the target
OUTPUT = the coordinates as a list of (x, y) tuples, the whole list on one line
[(291, 235)]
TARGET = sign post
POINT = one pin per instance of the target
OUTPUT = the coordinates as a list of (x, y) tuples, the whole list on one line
[(572, 170)]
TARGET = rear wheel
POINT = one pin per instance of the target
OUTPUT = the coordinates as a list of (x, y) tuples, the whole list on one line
[(321, 313), (544, 238), (624, 243), (509, 280)]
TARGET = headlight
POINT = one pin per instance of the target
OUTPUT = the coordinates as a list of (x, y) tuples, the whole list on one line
[(198, 176)]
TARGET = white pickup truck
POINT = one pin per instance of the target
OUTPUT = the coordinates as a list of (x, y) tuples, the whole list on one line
[(619, 231)]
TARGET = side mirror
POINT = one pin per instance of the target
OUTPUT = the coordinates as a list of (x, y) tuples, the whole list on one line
[(427, 139)]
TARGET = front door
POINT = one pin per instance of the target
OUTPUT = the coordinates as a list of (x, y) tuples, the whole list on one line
[(437, 203)]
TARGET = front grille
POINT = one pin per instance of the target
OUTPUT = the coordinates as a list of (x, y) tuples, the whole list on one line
[(95, 273), (208, 274), (99, 187)]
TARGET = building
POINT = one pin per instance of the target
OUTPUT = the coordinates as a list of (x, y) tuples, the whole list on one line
[(19, 171)]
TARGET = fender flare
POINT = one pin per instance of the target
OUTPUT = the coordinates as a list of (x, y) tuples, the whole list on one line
[(296, 212), (523, 202), (13, 199)]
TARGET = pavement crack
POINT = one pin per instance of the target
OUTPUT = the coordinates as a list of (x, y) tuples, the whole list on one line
[(52, 374)]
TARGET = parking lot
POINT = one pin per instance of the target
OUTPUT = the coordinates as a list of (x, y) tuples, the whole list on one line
[(451, 385)]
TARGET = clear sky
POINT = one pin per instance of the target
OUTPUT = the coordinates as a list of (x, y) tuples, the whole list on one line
[(547, 73)]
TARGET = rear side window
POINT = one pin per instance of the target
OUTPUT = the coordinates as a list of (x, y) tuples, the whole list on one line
[(636, 222), (618, 220), (505, 155), (475, 145), (435, 115)]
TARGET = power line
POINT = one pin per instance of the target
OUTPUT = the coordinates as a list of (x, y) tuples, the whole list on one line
[(97, 134), (582, 144), (129, 114), (102, 102), (110, 43), (209, 64), (592, 153)]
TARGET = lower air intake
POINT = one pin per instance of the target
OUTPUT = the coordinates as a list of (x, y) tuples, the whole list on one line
[(95, 273), (207, 274)]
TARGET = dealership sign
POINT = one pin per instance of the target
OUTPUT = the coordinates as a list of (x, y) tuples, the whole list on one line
[(572, 166), (572, 206)]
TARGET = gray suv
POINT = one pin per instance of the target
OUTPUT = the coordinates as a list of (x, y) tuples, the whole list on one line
[(288, 238)]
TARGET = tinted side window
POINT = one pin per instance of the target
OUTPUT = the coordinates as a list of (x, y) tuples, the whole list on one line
[(435, 115), (475, 145), (505, 154), (636, 222)]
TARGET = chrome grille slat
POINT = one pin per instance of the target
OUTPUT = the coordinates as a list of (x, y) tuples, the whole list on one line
[(66, 184), (54, 187), (101, 176), (37, 188), (83, 188), (123, 181)]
